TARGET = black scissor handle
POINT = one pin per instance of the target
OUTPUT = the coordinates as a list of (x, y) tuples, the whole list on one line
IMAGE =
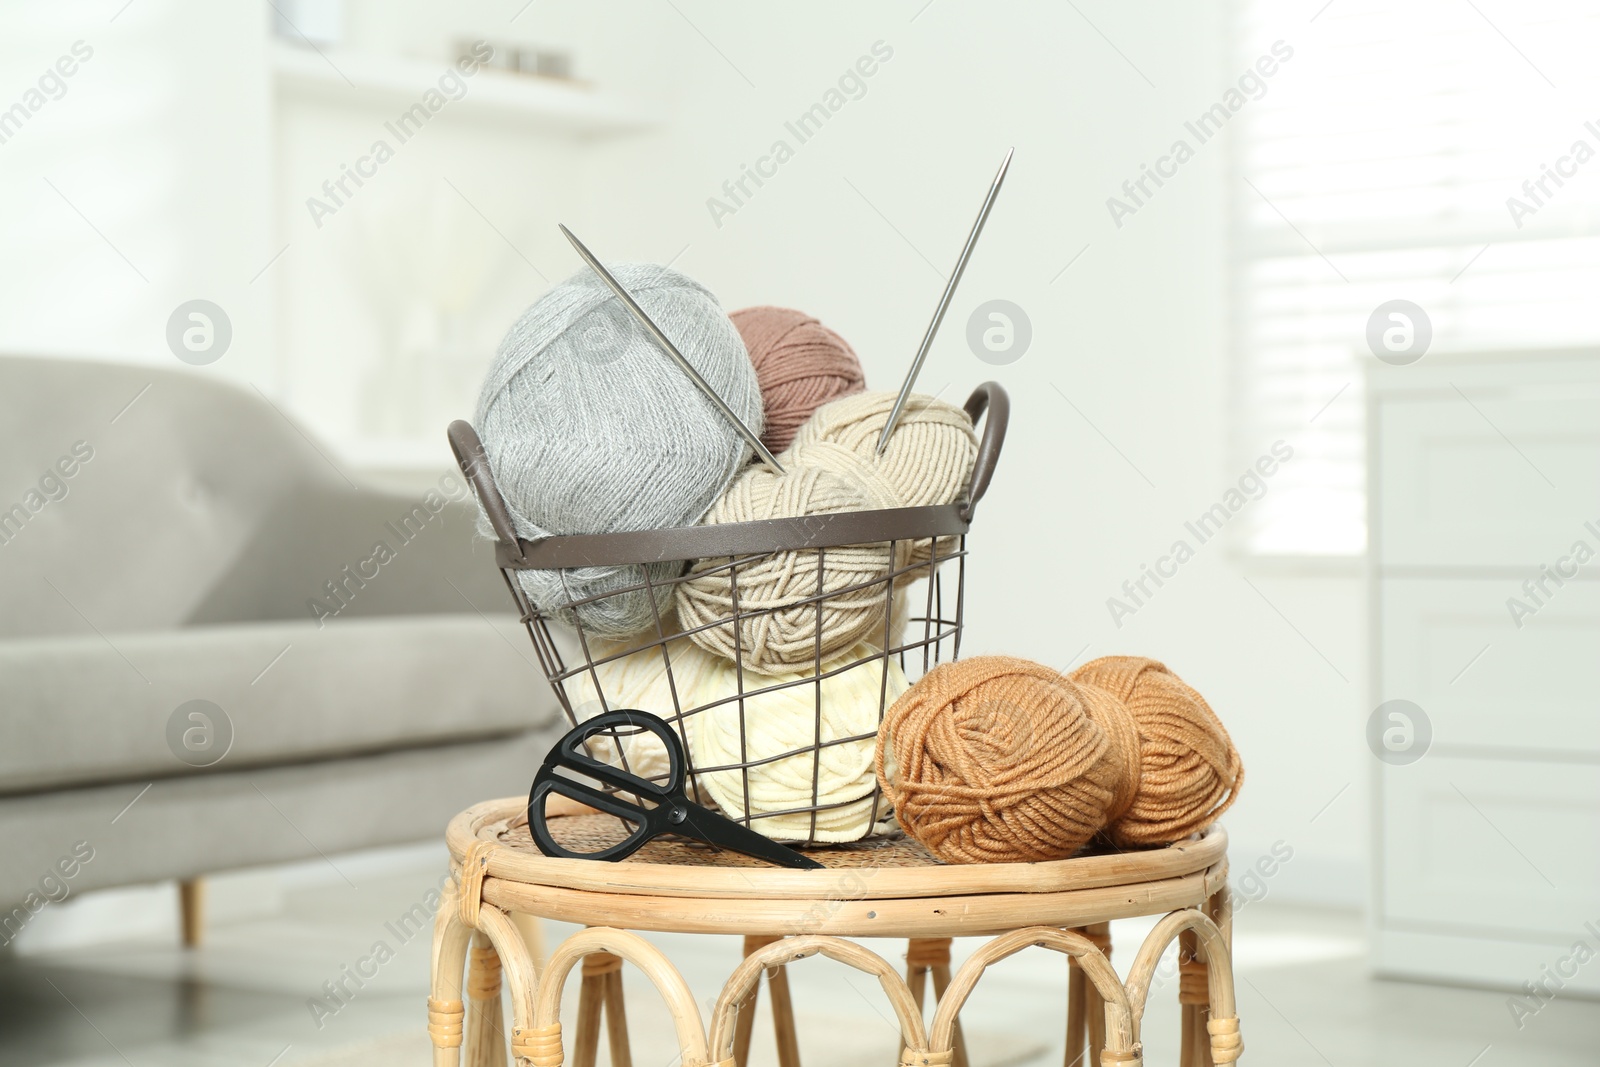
[(570, 754)]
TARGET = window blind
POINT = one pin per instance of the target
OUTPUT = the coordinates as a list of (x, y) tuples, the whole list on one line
[(1378, 165)]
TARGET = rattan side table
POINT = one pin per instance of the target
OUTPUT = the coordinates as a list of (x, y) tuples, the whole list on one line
[(891, 889)]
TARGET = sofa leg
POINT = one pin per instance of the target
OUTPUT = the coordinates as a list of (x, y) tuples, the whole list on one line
[(192, 909)]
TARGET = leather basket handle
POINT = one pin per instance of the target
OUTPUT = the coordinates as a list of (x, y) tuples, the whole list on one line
[(989, 397), (474, 463)]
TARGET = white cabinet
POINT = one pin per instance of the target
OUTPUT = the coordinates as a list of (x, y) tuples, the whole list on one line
[(1494, 845), (1450, 645), (1486, 479), (1484, 485)]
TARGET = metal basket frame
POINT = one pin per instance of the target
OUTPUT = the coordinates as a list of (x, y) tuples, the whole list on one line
[(936, 533)]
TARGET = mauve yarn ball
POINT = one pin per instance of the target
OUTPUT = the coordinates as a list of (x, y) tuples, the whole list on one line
[(801, 365), (591, 428)]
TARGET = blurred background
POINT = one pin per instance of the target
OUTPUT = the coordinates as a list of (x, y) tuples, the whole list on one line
[(1359, 239)]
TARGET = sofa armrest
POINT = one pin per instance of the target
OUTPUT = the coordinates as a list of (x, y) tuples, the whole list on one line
[(330, 551)]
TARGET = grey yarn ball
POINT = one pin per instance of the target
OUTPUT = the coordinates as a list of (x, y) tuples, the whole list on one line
[(591, 428)]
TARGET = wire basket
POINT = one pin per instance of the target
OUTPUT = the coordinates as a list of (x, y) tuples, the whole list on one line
[(923, 598)]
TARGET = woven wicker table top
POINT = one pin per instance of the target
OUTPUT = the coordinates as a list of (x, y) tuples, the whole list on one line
[(590, 833), (879, 869)]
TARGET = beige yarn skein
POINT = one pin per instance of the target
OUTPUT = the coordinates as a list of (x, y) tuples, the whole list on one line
[(779, 632), (930, 453), (832, 467)]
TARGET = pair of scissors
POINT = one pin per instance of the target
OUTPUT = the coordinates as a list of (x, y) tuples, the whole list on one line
[(660, 808)]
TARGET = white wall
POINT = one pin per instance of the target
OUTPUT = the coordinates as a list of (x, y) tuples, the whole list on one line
[(391, 307), (160, 142), (176, 153)]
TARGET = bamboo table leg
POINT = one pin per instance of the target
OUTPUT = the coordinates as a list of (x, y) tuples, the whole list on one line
[(192, 910), (586, 1041), (1186, 1036), (600, 993), (1193, 997), (1094, 1004), (532, 931), (1076, 983), (616, 1017), (931, 955), (783, 1027), (1186, 1012), (1196, 989), (485, 1035)]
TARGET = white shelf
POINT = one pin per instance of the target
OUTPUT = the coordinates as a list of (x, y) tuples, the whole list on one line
[(353, 79)]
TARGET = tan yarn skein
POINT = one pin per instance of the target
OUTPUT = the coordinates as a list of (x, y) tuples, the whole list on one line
[(833, 466), (997, 759), (1189, 771), (928, 461), (780, 624), (930, 453)]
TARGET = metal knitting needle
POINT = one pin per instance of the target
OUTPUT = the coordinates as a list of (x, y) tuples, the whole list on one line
[(672, 350), (944, 305)]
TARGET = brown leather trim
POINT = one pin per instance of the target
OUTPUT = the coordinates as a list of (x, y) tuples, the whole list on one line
[(738, 538), (734, 538)]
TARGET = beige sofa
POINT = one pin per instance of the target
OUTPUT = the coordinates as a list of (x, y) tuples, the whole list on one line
[(165, 539)]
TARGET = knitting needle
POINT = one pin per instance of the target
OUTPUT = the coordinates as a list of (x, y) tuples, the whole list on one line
[(944, 305), (672, 350)]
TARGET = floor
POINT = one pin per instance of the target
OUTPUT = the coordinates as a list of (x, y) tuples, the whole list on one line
[(245, 999)]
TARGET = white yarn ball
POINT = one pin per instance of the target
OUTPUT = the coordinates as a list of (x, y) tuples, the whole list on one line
[(929, 458), (639, 681), (784, 721), (775, 723), (591, 428)]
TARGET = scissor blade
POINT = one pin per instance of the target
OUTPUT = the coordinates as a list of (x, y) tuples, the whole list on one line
[(671, 349), (723, 832), (944, 305)]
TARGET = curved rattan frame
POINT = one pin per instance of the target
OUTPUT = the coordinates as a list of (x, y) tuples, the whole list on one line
[(1105, 1011)]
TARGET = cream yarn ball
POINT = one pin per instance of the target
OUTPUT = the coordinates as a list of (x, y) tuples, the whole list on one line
[(929, 459), (639, 681), (775, 722), (785, 720)]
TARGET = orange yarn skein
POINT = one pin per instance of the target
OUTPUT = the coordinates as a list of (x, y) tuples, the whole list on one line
[(997, 759), (1189, 771)]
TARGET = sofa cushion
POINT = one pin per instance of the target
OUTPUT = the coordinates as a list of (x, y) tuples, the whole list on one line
[(195, 825), (89, 709)]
